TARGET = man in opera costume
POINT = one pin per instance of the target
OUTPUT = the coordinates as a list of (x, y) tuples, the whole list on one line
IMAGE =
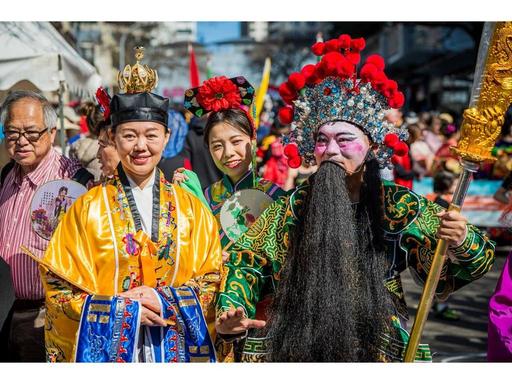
[(331, 253), (133, 268)]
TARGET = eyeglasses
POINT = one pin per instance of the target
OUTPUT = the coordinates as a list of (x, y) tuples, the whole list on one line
[(31, 136)]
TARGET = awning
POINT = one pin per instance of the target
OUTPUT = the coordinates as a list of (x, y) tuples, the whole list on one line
[(30, 50)]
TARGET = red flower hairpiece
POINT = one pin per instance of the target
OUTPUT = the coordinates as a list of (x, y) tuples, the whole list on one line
[(218, 93)]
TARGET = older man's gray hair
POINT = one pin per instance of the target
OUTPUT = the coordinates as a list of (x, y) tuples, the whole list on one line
[(50, 116)]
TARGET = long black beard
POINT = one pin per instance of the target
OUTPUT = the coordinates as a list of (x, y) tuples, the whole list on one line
[(331, 303)]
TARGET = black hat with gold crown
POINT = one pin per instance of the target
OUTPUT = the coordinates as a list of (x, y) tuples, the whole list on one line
[(138, 103)]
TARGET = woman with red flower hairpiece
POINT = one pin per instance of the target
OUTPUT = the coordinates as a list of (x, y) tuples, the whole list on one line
[(228, 135)]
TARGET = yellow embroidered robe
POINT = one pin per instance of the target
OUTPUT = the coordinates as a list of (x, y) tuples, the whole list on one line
[(92, 252)]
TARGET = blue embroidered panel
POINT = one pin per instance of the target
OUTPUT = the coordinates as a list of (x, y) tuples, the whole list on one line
[(186, 338), (108, 330)]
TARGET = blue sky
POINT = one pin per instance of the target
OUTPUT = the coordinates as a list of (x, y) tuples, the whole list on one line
[(215, 31)]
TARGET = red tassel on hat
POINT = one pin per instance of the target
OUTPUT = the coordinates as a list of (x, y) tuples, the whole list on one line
[(391, 140), (401, 149)]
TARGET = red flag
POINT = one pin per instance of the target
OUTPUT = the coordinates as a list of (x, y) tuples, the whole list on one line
[(194, 71)]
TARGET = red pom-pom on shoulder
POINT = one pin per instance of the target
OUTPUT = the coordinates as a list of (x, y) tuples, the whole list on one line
[(297, 81), (286, 115), (401, 149), (391, 140), (376, 60), (357, 45), (344, 41), (318, 48)]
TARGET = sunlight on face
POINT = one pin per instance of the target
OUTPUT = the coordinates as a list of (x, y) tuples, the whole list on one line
[(343, 143), (140, 145), (230, 149)]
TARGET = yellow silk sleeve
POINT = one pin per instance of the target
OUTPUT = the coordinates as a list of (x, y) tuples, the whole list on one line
[(63, 308), (81, 249)]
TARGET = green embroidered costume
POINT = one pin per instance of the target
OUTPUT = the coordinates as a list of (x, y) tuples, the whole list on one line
[(410, 226)]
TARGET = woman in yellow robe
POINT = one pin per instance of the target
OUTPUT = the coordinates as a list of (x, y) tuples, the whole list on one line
[(132, 270)]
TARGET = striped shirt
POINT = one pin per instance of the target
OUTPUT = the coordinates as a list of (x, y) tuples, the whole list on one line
[(16, 194)]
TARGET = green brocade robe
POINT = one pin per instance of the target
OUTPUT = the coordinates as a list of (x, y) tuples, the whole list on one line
[(410, 227)]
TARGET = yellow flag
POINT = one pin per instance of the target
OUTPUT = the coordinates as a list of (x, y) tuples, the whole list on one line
[(262, 91)]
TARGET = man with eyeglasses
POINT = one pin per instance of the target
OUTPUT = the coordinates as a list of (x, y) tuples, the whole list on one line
[(29, 128)]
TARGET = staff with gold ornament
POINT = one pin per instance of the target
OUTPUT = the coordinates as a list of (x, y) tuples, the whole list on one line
[(490, 97)]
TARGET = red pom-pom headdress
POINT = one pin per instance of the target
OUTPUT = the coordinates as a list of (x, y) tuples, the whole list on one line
[(334, 90)]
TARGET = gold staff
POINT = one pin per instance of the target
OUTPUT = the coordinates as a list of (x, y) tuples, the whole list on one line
[(490, 97)]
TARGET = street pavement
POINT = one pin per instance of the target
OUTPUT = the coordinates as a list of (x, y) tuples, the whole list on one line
[(464, 340)]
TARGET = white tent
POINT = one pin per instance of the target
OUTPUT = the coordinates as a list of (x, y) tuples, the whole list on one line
[(30, 51)]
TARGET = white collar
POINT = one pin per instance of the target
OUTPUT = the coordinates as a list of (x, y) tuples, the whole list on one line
[(149, 185)]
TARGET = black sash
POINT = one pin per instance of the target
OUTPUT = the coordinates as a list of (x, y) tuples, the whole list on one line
[(133, 206)]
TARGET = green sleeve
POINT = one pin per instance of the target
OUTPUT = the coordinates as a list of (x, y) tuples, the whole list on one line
[(193, 185), (254, 259), (465, 263)]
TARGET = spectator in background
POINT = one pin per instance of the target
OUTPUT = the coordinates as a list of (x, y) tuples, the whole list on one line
[(196, 152), (107, 154), (421, 154), (179, 129), (172, 157), (432, 134), (503, 193), (444, 158), (275, 163), (29, 123), (396, 117), (86, 147), (503, 149)]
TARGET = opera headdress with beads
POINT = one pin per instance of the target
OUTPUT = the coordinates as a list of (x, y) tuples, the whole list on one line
[(334, 90), (138, 103)]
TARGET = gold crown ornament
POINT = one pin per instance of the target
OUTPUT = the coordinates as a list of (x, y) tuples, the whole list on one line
[(139, 77)]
